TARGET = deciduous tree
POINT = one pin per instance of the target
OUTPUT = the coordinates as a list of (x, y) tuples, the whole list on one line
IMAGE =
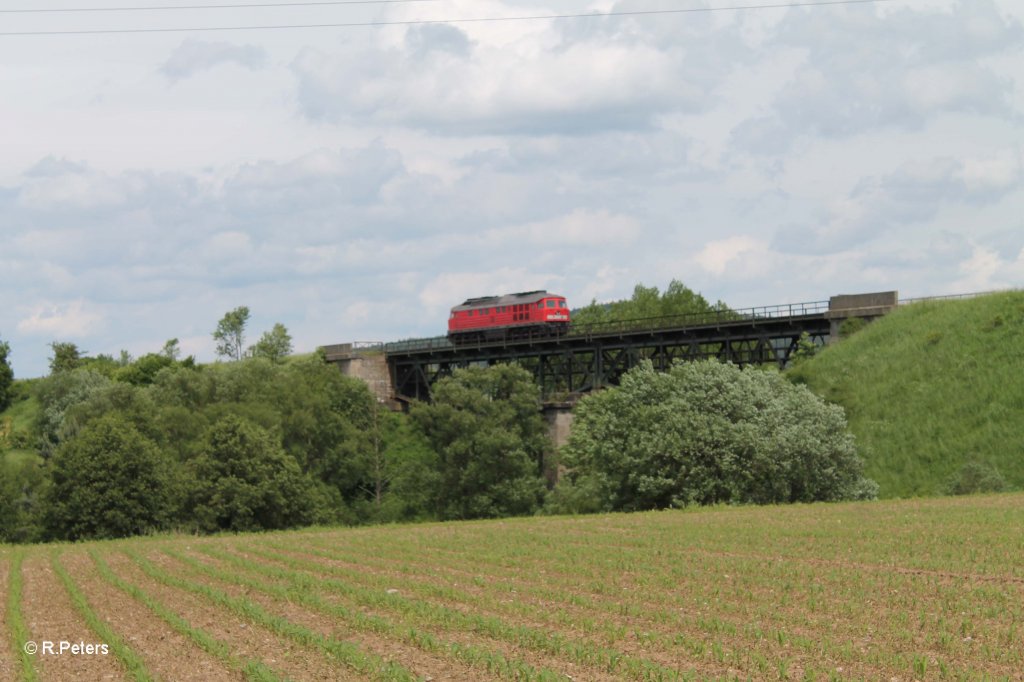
[(6, 375), (244, 481), (275, 345), (485, 425), (708, 433), (108, 482), (230, 333), (66, 357)]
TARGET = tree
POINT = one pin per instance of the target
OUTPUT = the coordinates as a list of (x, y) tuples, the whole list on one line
[(976, 477), (274, 345), (709, 433), (244, 481), (21, 491), (485, 425), (171, 349), (646, 302), (230, 333), (108, 482), (58, 393), (6, 375), (66, 357)]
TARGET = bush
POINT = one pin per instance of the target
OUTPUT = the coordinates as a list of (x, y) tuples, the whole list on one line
[(976, 477), (244, 481), (708, 433), (108, 482), (851, 326), (485, 425)]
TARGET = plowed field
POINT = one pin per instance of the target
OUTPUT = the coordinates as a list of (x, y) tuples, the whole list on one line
[(916, 590)]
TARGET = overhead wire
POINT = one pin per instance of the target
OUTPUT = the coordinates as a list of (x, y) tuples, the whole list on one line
[(248, 5), (422, 22)]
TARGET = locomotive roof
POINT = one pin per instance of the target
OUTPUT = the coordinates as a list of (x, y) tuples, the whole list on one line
[(507, 299)]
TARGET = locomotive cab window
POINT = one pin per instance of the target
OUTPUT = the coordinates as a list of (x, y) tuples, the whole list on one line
[(551, 304)]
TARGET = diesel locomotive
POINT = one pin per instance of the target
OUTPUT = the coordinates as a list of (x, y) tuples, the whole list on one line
[(514, 316)]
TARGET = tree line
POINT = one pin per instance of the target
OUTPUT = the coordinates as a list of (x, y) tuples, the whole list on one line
[(269, 440)]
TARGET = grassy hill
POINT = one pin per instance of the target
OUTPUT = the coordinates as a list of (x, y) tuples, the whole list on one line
[(930, 388), (16, 421)]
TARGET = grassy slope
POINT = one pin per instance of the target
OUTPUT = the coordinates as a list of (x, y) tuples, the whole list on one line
[(930, 387), (21, 412)]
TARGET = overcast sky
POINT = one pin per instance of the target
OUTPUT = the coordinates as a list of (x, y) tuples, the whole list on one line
[(354, 183)]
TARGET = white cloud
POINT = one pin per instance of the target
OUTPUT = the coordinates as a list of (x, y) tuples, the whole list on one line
[(449, 289), (60, 321), (355, 184), (549, 79), (194, 56), (716, 256), (581, 227)]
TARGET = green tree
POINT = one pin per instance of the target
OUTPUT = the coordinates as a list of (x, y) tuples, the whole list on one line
[(647, 302), (22, 486), (108, 482), (708, 433), (485, 425), (244, 481), (143, 371), (171, 349), (66, 357), (230, 333), (6, 375), (56, 394), (976, 477), (275, 345)]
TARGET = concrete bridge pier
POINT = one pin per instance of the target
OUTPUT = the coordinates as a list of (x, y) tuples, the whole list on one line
[(558, 417), (367, 362), (864, 306)]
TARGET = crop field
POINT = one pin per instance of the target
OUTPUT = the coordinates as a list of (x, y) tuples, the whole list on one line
[(911, 590)]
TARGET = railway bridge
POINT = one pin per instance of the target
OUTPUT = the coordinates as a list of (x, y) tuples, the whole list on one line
[(589, 357)]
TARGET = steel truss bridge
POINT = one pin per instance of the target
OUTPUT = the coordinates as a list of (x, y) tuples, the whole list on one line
[(598, 355)]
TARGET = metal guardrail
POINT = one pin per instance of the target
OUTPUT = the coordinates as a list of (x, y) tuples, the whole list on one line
[(724, 316), (954, 297), (343, 350)]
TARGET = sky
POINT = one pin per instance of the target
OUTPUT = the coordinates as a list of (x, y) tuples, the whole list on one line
[(355, 182)]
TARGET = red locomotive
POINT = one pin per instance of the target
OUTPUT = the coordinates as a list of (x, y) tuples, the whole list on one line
[(530, 313)]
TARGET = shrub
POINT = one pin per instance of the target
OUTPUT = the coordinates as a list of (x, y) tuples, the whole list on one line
[(244, 481), (851, 326), (108, 482), (708, 433), (485, 425), (976, 477)]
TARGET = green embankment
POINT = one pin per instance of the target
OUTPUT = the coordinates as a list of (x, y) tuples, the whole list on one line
[(15, 421), (931, 387)]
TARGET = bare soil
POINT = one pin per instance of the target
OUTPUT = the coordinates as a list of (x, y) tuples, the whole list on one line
[(422, 663), (8, 657), (167, 654), (50, 616), (245, 639)]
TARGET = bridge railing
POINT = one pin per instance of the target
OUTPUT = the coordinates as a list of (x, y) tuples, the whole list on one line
[(951, 297), (722, 316)]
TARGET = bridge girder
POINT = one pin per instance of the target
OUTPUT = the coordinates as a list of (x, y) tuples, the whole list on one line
[(574, 364)]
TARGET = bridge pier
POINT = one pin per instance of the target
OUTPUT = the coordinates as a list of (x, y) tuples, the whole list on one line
[(864, 306), (558, 417), (366, 362)]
